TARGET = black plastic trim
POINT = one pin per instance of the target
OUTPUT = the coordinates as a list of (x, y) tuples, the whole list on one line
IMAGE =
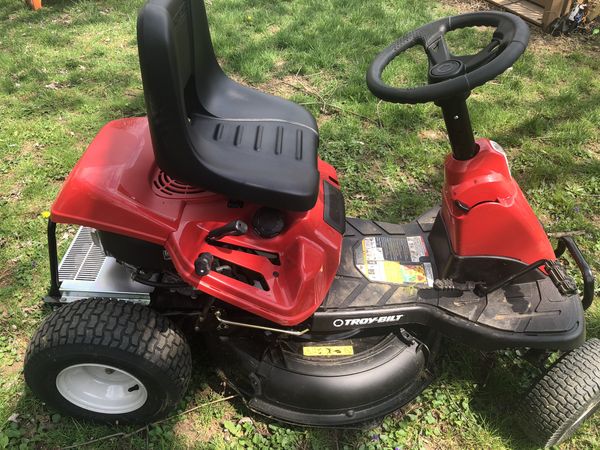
[(136, 252), (334, 209), (473, 334), (339, 392), (486, 269), (54, 290)]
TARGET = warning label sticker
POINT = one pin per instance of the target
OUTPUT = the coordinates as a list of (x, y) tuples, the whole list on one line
[(416, 246), (332, 350), (394, 260)]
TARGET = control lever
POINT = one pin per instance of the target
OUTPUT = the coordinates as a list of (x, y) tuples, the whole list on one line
[(203, 264), (235, 228)]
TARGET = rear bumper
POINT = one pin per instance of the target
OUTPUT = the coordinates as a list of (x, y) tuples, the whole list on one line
[(568, 243)]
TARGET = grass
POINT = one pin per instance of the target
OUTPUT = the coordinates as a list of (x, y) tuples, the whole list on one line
[(71, 67)]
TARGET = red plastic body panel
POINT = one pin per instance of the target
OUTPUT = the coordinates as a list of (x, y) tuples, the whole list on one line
[(499, 220), (111, 189)]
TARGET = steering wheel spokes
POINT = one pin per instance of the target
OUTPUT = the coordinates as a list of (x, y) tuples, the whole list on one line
[(450, 75), (437, 51)]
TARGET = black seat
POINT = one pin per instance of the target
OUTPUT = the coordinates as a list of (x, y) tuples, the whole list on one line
[(210, 131)]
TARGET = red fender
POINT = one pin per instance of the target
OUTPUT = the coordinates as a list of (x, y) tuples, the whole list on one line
[(485, 211)]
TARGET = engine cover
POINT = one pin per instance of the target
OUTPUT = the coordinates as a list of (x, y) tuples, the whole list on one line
[(116, 187)]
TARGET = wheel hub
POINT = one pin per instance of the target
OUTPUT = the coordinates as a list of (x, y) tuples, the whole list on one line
[(101, 388)]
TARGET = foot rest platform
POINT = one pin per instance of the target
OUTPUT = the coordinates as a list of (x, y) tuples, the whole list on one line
[(386, 278)]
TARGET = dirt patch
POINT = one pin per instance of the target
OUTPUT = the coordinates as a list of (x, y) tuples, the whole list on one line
[(324, 118), (13, 363), (288, 86), (6, 273), (15, 194), (432, 135), (15, 368), (57, 85), (273, 29), (594, 149), (193, 432), (465, 6), (543, 43), (200, 426), (63, 19)]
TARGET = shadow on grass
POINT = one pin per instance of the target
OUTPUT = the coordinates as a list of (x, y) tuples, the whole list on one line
[(552, 111), (499, 384), (40, 425)]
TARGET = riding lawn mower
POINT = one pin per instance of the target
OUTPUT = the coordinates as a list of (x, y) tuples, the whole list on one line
[(214, 217)]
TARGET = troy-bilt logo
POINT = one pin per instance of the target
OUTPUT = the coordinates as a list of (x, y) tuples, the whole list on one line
[(366, 320)]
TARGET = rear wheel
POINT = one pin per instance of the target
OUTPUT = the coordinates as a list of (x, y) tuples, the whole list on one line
[(564, 397), (108, 360)]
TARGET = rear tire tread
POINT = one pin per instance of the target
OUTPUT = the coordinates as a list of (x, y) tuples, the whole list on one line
[(124, 326)]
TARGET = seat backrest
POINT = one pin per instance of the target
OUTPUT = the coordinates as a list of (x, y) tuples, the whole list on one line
[(174, 45), (187, 93)]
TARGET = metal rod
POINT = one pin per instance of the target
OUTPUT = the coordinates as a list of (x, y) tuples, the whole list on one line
[(259, 327), (53, 257), (568, 243), (458, 125), (482, 291)]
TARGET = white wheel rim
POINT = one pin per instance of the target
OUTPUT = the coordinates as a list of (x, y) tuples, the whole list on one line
[(101, 388)]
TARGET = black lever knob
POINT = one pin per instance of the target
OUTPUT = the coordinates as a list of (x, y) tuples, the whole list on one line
[(203, 264), (235, 228)]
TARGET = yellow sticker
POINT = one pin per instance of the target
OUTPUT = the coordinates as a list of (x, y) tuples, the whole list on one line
[(338, 350)]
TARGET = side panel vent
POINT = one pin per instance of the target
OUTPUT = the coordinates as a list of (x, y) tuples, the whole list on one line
[(86, 272), (165, 186), (83, 260)]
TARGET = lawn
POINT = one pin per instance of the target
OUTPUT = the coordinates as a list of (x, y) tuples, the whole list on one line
[(71, 67)]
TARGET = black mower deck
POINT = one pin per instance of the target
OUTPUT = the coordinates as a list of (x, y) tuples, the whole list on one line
[(386, 276)]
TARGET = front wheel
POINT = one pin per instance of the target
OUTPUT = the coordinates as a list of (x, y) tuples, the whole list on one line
[(108, 361), (564, 397)]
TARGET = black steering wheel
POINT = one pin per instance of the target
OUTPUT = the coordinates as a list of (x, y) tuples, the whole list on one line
[(451, 75)]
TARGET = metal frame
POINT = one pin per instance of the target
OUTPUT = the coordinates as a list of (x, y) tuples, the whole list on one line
[(54, 292), (568, 243)]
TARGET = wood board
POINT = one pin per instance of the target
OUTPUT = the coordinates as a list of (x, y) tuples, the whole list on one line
[(525, 9)]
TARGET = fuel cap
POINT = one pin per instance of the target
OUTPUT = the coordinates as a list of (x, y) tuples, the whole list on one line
[(268, 222)]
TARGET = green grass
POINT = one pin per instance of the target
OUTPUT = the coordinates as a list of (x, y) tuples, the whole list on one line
[(71, 67)]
